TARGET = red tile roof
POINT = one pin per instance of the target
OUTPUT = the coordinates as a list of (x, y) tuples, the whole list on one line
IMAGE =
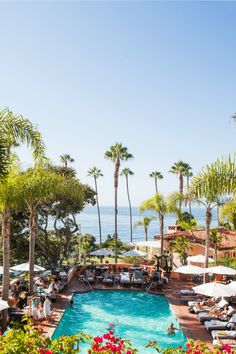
[(228, 237)]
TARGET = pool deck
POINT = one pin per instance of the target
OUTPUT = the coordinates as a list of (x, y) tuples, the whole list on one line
[(188, 322)]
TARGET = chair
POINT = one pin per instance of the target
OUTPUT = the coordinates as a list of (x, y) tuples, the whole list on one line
[(125, 278), (223, 334), (138, 278), (108, 279), (221, 324)]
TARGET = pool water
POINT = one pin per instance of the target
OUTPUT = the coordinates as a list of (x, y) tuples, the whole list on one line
[(138, 316)]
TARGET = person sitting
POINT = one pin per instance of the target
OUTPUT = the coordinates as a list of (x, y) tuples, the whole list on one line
[(171, 329)]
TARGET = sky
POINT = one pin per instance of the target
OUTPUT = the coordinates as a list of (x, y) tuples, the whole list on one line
[(159, 77)]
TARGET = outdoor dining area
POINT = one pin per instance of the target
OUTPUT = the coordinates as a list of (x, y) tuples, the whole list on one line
[(47, 285), (213, 301)]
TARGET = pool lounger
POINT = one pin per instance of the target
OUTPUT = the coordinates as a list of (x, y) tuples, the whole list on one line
[(108, 281), (125, 278), (221, 325), (223, 334), (138, 278)]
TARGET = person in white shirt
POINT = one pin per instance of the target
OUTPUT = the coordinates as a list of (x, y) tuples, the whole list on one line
[(47, 309)]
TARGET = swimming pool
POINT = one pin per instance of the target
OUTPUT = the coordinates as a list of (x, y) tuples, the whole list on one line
[(138, 316)]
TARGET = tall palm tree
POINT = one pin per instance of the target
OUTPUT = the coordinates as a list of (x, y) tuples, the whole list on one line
[(188, 174), (14, 130), (145, 222), (156, 175), (38, 186), (159, 205), (127, 172), (96, 173), (174, 200), (215, 181), (65, 159), (179, 168), (117, 153)]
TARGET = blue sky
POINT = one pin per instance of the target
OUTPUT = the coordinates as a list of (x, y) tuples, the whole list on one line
[(160, 77)]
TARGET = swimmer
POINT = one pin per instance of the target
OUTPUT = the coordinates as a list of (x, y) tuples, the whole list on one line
[(112, 326), (171, 329)]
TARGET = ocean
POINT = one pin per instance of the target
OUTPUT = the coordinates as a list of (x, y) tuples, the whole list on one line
[(88, 221)]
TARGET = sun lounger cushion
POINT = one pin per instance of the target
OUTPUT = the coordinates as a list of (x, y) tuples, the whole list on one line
[(187, 292), (124, 278), (224, 334), (220, 325), (204, 316)]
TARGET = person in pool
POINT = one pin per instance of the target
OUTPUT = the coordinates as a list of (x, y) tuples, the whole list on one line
[(171, 329), (112, 326)]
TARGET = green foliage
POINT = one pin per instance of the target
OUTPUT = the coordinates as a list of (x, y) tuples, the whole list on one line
[(228, 213), (181, 246), (110, 243), (118, 152), (157, 204)]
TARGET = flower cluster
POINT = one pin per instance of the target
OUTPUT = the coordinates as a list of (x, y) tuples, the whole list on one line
[(45, 351), (108, 343)]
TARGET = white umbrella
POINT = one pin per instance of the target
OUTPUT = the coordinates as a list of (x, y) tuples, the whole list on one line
[(221, 270), (152, 244), (135, 253), (232, 285), (3, 305), (190, 269), (214, 289), (102, 252), (1, 270), (24, 267), (199, 258)]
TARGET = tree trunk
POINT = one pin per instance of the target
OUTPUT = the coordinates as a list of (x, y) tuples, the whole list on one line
[(99, 216), (208, 223), (161, 219), (216, 254), (116, 176), (190, 206), (130, 210), (33, 228), (146, 236), (156, 185), (6, 256), (181, 188)]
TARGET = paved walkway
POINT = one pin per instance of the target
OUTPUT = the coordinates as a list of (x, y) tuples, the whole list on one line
[(188, 322)]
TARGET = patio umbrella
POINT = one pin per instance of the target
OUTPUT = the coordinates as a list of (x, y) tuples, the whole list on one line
[(199, 258), (24, 267), (190, 269), (214, 289), (232, 285), (102, 252), (135, 253), (221, 270), (3, 305)]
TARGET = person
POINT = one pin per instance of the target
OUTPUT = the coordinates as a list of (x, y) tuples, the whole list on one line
[(47, 309), (71, 303), (34, 308), (40, 313), (171, 329)]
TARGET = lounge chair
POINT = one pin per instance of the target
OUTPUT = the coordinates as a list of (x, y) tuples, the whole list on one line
[(220, 341), (108, 279), (138, 278), (224, 334), (206, 315), (221, 324), (125, 278)]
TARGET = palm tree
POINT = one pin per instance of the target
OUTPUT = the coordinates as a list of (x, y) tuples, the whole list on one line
[(65, 159), (117, 153), (38, 186), (215, 181), (127, 172), (180, 168), (181, 246), (14, 130), (174, 201), (156, 175), (159, 205), (215, 238), (145, 222), (96, 173), (188, 174)]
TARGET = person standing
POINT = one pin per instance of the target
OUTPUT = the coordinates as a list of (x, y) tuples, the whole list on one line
[(47, 309)]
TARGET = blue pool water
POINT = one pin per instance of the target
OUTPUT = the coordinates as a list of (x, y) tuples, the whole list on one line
[(140, 317)]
